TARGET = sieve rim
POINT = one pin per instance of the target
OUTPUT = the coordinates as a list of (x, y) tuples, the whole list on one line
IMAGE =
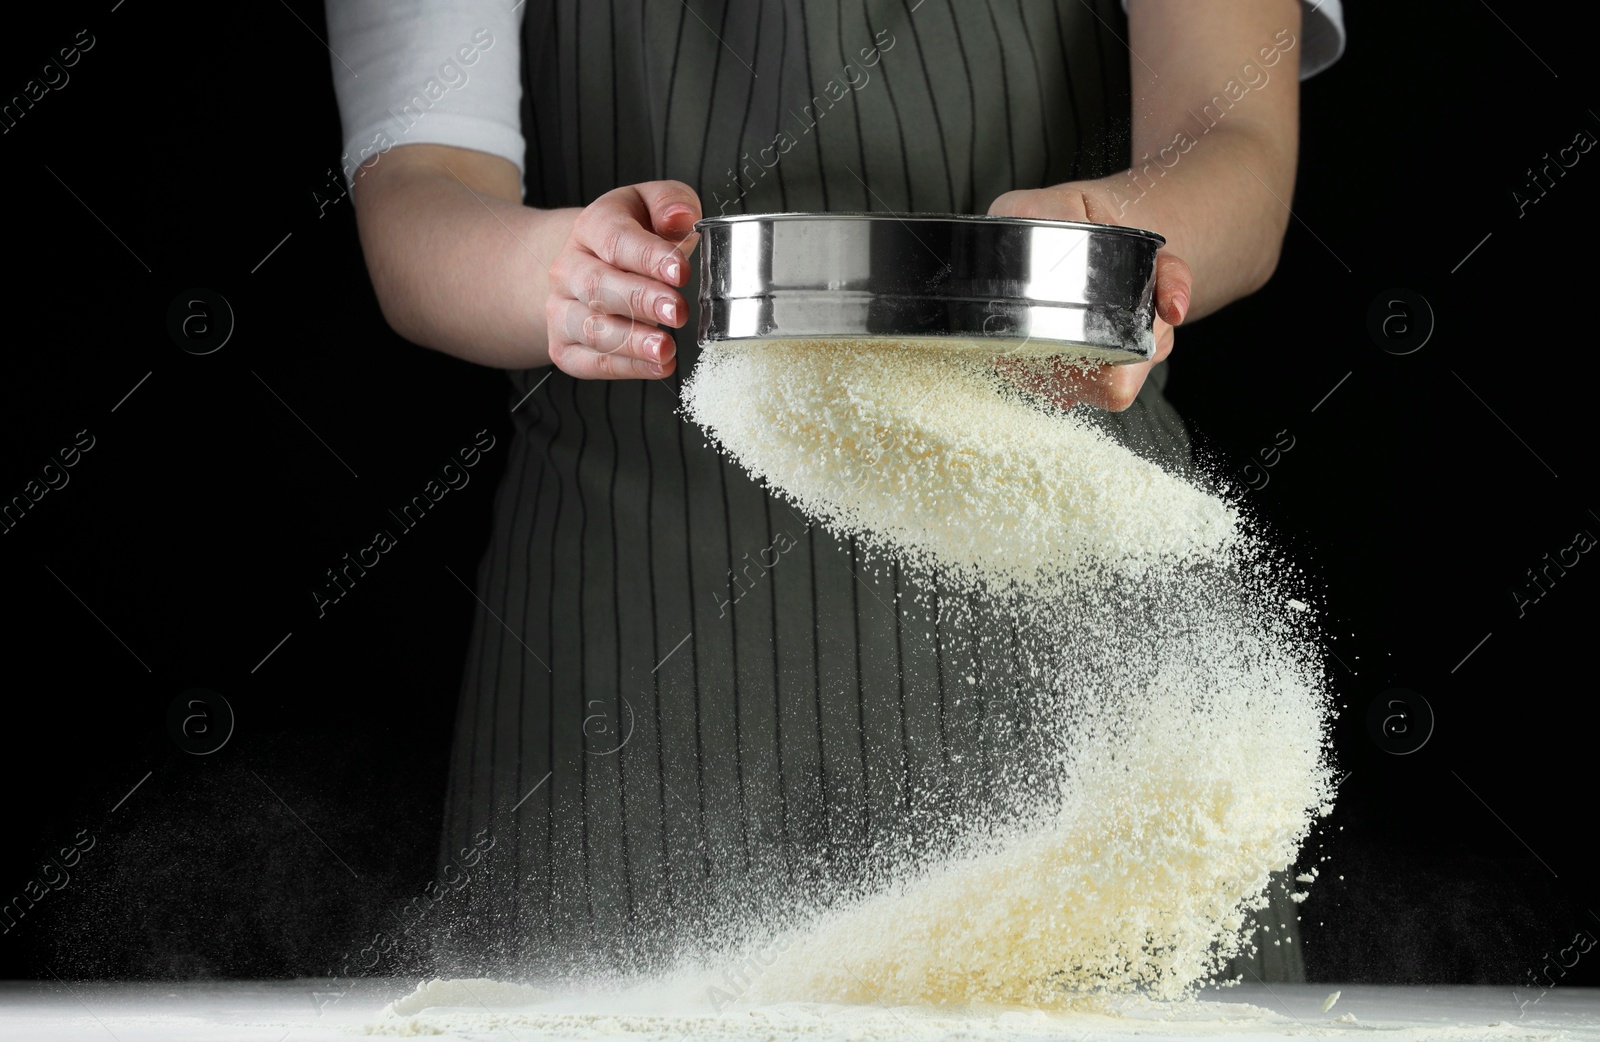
[(964, 218), (971, 281)]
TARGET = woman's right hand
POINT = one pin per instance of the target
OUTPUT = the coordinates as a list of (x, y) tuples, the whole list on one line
[(612, 283)]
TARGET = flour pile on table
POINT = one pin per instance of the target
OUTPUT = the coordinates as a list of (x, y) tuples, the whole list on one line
[(1184, 752), (465, 1010)]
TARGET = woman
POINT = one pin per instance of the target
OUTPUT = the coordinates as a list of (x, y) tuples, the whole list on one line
[(650, 745)]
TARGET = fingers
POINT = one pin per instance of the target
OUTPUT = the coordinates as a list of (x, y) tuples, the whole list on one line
[(606, 289), (618, 240), (1054, 204), (1060, 383), (1073, 201), (614, 282), (642, 229), (1111, 387), (1165, 335), (1174, 288), (1174, 281), (1065, 384), (645, 228), (593, 345), (585, 364), (1120, 386), (672, 206), (1114, 387)]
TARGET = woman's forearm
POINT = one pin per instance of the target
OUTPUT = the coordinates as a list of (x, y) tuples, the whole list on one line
[(1218, 207), (1216, 101), (458, 263)]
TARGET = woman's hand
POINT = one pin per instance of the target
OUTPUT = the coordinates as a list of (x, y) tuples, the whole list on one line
[(1111, 387), (611, 285)]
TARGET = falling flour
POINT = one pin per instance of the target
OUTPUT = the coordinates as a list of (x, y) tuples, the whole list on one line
[(1178, 757), (927, 455), (1187, 758), (1160, 838)]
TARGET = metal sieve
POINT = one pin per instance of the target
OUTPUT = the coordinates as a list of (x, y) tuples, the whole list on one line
[(998, 285)]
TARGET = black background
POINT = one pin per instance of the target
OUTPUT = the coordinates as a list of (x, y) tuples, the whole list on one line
[(186, 148)]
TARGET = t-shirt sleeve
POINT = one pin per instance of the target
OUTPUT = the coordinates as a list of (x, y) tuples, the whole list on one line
[(438, 72), (1321, 35)]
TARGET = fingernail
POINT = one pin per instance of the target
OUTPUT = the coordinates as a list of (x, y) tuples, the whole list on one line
[(653, 345), (667, 310), (657, 368), (673, 270), (1181, 302), (678, 210)]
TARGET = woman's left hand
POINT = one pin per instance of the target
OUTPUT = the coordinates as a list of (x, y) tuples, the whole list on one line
[(1112, 387)]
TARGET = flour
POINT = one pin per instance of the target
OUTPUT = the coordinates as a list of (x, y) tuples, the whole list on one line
[(1169, 800), (1177, 760), (1187, 756), (471, 993), (657, 1013), (923, 453)]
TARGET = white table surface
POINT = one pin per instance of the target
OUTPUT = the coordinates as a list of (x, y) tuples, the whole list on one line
[(286, 1011)]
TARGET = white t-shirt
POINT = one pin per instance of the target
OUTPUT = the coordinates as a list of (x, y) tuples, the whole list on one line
[(447, 72)]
